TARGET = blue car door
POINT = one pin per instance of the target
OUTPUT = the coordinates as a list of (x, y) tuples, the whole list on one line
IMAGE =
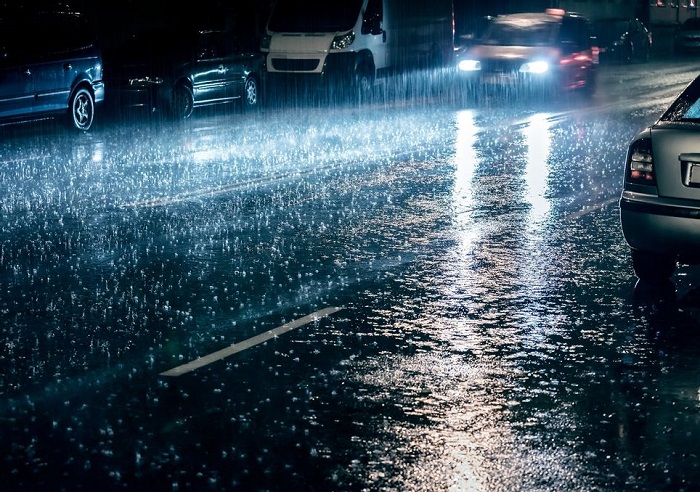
[(209, 73), (58, 62)]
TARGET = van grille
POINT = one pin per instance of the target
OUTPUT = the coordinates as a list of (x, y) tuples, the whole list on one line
[(287, 65)]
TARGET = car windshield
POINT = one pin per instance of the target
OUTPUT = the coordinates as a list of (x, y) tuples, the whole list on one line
[(691, 24), (610, 30), (521, 31), (314, 16), (687, 106), (157, 44)]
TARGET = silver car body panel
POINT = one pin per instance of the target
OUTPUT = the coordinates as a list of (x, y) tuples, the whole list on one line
[(677, 160)]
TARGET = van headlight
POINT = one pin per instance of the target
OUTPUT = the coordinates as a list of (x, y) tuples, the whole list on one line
[(343, 41), (536, 67)]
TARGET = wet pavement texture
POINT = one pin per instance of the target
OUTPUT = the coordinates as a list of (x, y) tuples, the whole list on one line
[(475, 322)]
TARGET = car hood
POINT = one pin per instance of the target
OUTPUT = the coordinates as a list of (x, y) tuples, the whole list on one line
[(499, 52), (301, 43)]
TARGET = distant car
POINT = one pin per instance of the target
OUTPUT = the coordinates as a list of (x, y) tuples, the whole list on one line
[(622, 40), (660, 201), (50, 64), (175, 70), (687, 37), (552, 51)]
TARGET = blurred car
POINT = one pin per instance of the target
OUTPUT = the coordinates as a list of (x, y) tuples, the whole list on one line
[(660, 201), (50, 64), (552, 51), (622, 40), (174, 70), (687, 37)]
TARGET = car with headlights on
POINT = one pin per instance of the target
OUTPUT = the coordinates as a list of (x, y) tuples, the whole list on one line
[(50, 66), (660, 200), (552, 52), (174, 70)]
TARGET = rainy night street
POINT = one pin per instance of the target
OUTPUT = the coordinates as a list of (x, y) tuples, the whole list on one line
[(426, 291)]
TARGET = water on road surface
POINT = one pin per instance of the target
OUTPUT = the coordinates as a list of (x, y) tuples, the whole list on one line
[(424, 296)]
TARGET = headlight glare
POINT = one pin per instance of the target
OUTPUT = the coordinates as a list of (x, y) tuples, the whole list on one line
[(469, 65), (539, 66)]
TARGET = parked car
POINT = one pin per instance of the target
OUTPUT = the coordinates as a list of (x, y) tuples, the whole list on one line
[(687, 37), (622, 40), (50, 64), (175, 70), (551, 50), (660, 201)]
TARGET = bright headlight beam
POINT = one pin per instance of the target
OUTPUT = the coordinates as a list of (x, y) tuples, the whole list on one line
[(469, 65), (535, 67)]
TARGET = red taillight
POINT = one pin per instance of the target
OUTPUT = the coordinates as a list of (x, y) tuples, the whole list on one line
[(640, 163)]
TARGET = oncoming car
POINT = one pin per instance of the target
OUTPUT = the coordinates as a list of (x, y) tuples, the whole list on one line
[(660, 201), (551, 51)]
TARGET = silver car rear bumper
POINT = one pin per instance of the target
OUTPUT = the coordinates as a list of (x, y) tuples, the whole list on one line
[(661, 227)]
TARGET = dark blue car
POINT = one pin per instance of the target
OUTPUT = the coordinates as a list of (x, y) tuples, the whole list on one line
[(174, 70)]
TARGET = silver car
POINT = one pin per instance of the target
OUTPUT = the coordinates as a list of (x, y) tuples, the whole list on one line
[(660, 202)]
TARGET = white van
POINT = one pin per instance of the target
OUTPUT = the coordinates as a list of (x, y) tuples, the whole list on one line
[(354, 41)]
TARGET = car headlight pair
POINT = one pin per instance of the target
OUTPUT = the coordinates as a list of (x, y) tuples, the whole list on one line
[(536, 67)]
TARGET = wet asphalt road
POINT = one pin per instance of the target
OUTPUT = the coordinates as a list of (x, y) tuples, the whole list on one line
[(423, 293)]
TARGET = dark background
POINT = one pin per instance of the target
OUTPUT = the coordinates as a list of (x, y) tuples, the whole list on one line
[(117, 19)]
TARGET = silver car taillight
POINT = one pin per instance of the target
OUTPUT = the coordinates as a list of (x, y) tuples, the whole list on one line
[(640, 163)]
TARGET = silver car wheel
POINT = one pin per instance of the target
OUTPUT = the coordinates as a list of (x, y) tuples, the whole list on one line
[(653, 267), (82, 110), (251, 92), (183, 102)]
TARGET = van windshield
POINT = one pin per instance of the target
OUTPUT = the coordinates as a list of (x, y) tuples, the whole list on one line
[(314, 16)]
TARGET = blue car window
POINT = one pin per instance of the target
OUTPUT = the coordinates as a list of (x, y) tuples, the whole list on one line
[(693, 111)]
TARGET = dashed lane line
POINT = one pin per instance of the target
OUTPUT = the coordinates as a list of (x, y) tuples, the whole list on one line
[(250, 342)]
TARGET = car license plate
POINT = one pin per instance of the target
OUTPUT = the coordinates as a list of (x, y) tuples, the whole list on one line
[(692, 174), (498, 78)]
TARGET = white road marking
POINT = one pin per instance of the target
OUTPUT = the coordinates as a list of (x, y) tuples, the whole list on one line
[(590, 209), (251, 342)]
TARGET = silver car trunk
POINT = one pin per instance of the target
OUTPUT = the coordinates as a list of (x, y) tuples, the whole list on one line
[(677, 160)]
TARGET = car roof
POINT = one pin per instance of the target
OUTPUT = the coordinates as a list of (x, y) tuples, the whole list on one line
[(522, 19), (527, 17)]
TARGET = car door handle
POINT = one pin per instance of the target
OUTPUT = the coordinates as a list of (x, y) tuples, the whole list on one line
[(67, 66), (26, 72), (221, 68)]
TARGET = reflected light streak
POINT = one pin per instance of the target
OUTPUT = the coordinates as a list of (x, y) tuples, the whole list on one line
[(204, 156), (539, 141), (465, 163)]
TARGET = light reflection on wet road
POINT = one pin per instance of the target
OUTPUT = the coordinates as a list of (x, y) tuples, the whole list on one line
[(490, 336)]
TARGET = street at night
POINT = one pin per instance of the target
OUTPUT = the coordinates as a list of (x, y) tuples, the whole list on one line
[(423, 292)]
